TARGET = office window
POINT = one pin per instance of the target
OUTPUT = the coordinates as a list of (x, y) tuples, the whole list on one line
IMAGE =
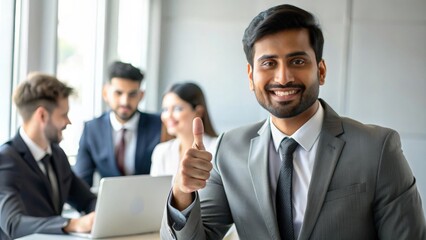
[(92, 34), (6, 72), (77, 28), (78, 48), (132, 34)]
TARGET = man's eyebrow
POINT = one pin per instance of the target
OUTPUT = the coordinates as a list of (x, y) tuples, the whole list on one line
[(293, 54), (134, 91), (267, 56)]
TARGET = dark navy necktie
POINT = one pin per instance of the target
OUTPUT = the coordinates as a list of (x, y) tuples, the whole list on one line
[(284, 202)]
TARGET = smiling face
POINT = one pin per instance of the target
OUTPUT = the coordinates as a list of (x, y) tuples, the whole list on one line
[(123, 96), (177, 115), (285, 76)]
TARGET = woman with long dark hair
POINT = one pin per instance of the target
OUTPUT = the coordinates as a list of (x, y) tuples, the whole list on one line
[(182, 102)]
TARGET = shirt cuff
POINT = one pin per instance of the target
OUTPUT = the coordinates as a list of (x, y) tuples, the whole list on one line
[(177, 219), (64, 224)]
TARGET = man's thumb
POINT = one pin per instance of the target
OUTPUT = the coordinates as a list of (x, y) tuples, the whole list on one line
[(198, 131)]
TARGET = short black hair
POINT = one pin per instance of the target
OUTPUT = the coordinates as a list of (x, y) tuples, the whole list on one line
[(279, 18), (125, 70)]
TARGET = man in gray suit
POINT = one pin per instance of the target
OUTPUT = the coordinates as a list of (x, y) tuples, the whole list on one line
[(347, 180), (35, 176)]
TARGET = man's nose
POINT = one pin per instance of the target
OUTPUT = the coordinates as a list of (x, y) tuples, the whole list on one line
[(124, 99), (283, 75)]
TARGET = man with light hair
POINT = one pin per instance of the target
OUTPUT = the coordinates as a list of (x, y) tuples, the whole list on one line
[(36, 177)]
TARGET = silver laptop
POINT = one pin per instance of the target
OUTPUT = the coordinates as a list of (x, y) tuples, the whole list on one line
[(129, 205)]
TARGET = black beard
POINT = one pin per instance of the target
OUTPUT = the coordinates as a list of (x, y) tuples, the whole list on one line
[(52, 134), (124, 118), (283, 110)]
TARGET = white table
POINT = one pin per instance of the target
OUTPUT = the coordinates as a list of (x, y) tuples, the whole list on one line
[(149, 236)]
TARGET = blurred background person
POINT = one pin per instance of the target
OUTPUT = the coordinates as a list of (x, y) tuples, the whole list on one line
[(119, 142), (36, 177), (182, 102)]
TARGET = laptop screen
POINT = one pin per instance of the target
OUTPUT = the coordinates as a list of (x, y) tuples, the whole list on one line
[(130, 205)]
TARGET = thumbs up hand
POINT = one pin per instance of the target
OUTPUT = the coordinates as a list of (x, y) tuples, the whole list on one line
[(194, 169), (198, 131)]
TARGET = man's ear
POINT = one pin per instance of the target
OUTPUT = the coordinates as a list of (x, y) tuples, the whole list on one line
[(41, 114), (250, 76), (322, 71)]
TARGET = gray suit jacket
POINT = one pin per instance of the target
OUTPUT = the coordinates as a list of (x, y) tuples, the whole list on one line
[(361, 187)]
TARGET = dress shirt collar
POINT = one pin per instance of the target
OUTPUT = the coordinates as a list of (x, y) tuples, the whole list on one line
[(129, 125), (37, 152), (305, 135)]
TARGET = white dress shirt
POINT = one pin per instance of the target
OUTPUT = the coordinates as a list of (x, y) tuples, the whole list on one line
[(131, 137), (37, 152), (303, 163)]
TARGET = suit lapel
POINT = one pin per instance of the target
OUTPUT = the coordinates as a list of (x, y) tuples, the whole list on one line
[(140, 145), (26, 155), (329, 149), (258, 168), (28, 158), (106, 136)]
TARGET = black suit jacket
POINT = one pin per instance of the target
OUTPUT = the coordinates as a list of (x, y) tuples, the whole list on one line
[(96, 150), (26, 204)]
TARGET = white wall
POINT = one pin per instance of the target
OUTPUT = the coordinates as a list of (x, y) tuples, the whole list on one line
[(375, 54), (201, 41)]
